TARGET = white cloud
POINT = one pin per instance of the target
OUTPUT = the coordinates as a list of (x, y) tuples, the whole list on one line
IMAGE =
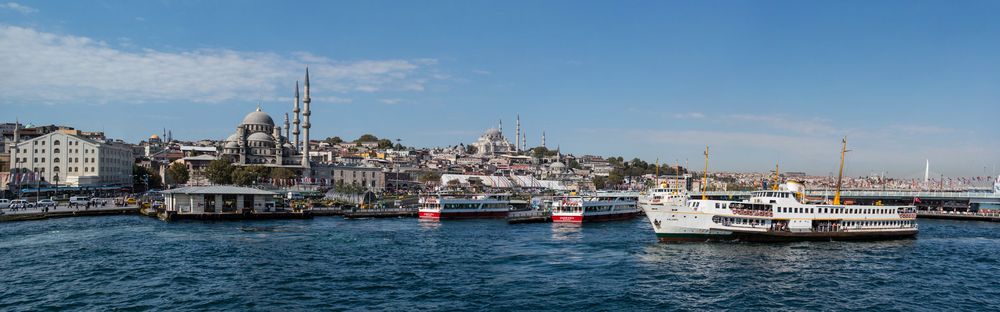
[(390, 101), (20, 8), (694, 115), (52, 69), (817, 126)]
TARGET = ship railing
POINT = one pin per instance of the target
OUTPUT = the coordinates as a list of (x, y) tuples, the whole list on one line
[(756, 213)]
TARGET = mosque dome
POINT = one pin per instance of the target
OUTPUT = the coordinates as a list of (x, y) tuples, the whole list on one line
[(557, 165), (260, 136), (258, 118), (232, 144), (233, 138), (154, 137), (492, 133)]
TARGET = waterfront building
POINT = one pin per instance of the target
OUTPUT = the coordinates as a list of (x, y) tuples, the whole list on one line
[(217, 200), (69, 157), (372, 178)]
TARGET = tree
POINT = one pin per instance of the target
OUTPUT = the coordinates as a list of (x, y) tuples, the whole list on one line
[(454, 183), (281, 173), (470, 149), (333, 140), (573, 164), (220, 171), (178, 173), (430, 177), (249, 175), (367, 138), (600, 182), (144, 178), (384, 143)]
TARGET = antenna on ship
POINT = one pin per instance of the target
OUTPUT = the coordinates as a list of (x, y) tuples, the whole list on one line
[(840, 176), (777, 177), (704, 183)]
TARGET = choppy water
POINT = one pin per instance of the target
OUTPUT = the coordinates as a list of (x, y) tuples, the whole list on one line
[(134, 263)]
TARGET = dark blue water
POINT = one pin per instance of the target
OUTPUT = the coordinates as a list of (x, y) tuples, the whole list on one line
[(131, 263)]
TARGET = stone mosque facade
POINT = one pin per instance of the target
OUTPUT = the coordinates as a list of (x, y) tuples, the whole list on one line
[(258, 141)]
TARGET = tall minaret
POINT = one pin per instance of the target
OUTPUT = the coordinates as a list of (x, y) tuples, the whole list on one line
[(501, 128), (543, 138), (296, 120), (517, 134), (287, 129), (14, 148), (524, 141), (306, 125)]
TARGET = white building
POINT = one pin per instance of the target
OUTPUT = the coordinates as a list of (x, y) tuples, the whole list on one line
[(217, 200), (67, 157)]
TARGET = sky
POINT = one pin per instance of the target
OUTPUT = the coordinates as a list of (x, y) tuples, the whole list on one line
[(759, 82)]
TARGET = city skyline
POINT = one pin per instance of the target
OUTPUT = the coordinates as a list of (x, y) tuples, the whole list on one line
[(905, 82)]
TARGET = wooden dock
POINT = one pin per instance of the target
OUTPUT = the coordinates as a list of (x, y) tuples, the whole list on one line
[(380, 213), (529, 216)]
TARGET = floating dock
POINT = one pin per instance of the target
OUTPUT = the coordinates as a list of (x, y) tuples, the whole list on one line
[(380, 213), (529, 216)]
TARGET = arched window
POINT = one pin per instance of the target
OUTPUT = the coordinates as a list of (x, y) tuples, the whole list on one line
[(56, 142), (56, 150), (55, 160), (55, 169)]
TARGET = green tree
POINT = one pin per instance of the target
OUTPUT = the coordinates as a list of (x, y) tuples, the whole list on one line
[(333, 140), (469, 149), (600, 182), (430, 177), (178, 173), (573, 164), (249, 175), (367, 138), (384, 143), (144, 178), (282, 173), (220, 171)]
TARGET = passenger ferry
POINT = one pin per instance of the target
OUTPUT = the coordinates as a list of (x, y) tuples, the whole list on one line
[(664, 195), (488, 206), (779, 215), (596, 207)]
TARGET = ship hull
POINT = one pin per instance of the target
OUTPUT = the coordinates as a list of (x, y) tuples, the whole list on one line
[(435, 215), (777, 237), (594, 218)]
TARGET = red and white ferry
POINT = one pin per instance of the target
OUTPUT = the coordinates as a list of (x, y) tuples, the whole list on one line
[(596, 207), (489, 206)]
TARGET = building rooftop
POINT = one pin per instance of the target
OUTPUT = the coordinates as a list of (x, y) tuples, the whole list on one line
[(218, 189)]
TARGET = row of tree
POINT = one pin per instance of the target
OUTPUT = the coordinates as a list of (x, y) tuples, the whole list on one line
[(382, 143), (222, 171)]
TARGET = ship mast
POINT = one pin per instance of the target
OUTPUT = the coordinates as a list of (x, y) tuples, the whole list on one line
[(840, 175), (777, 177), (704, 182)]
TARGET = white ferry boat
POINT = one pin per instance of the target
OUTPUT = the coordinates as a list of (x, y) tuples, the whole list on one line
[(779, 215), (663, 195), (782, 214), (596, 207), (489, 206)]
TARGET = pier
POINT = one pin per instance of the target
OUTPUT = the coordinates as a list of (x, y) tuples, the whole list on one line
[(380, 213), (63, 212)]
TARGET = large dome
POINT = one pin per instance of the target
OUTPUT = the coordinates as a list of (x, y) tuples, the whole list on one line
[(492, 133), (258, 118), (260, 136), (233, 138)]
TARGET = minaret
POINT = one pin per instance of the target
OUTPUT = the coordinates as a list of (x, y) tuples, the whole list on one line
[(543, 138), (296, 120), (14, 148), (524, 141), (517, 134), (501, 128), (306, 125), (287, 129)]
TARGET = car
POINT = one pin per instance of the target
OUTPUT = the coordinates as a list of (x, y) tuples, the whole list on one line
[(79, 200), (4, 203), (45, 203)]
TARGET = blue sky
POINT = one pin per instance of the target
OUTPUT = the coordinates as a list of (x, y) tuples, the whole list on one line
[(758, 81)]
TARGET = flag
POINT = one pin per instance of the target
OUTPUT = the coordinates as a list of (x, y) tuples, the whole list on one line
[(916, 200)]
